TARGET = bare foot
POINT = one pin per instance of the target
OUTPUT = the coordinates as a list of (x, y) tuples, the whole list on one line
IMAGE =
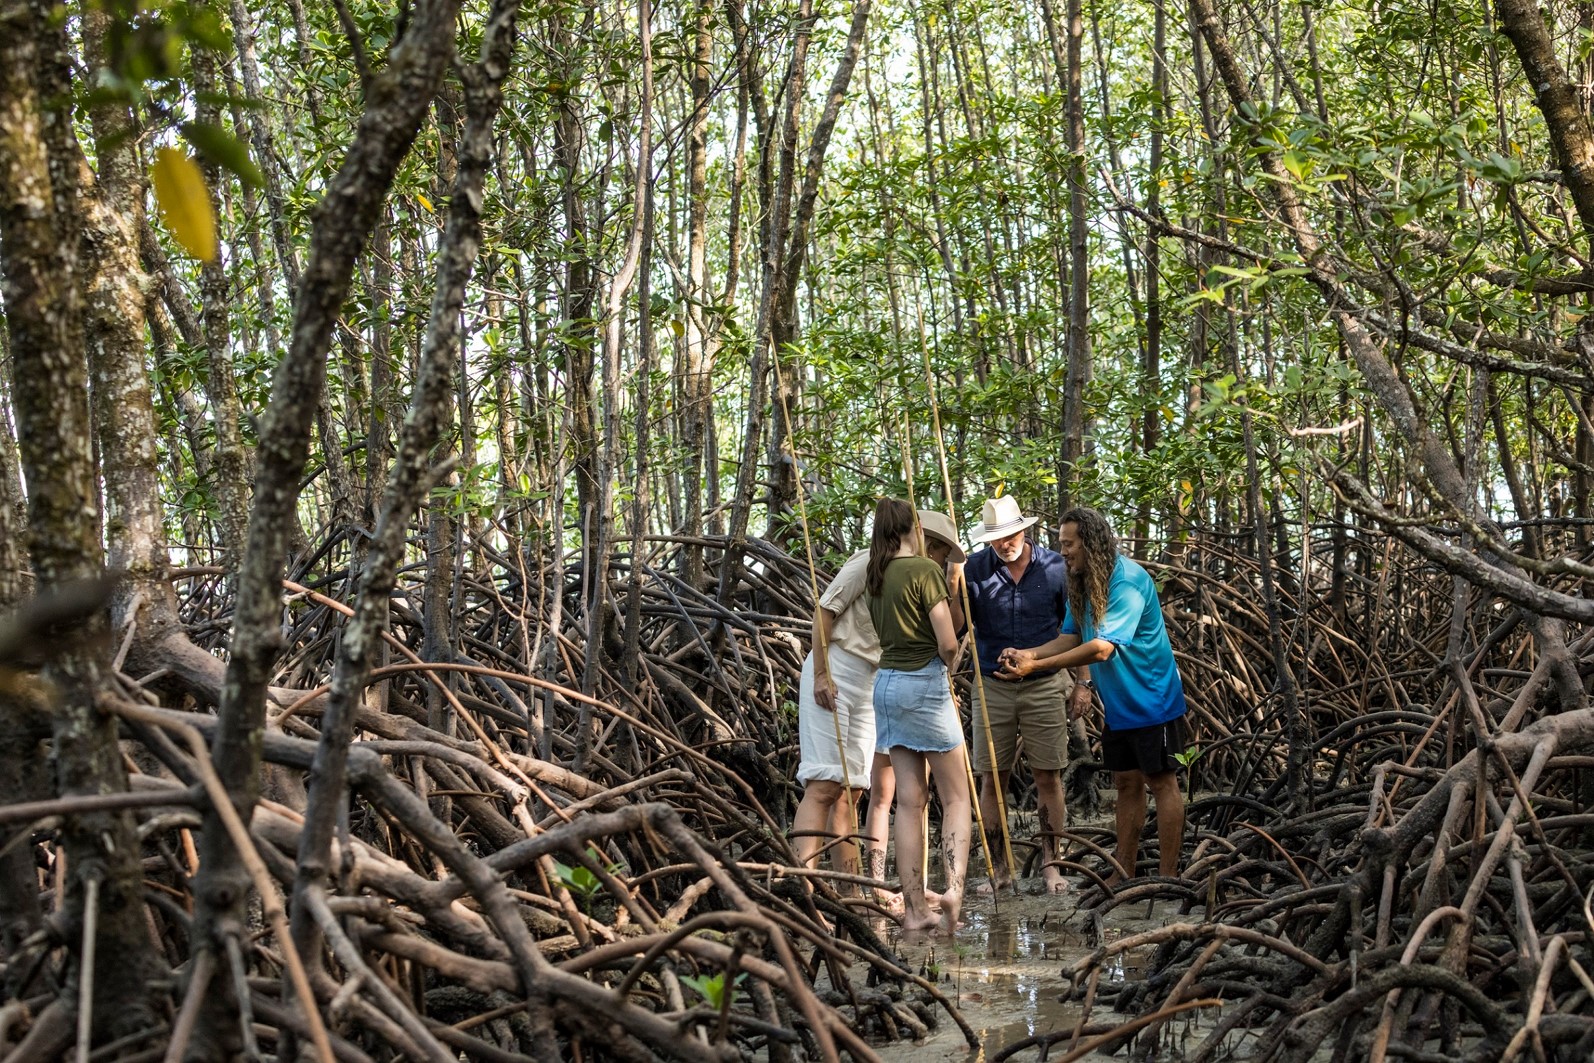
[(1003, 882), (950, 904), (892, 902), (923, 921), (1055, 882)]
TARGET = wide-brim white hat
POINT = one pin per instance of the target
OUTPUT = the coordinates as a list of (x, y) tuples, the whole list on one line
[(1000, 518), (940, 525)]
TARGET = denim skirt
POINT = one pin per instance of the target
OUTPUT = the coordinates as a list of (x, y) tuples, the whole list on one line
[(915, 710)]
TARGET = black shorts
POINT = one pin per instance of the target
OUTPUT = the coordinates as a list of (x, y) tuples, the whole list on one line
[(1148, 750)]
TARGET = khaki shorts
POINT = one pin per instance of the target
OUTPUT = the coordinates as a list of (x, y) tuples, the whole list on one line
[(1035, 708)]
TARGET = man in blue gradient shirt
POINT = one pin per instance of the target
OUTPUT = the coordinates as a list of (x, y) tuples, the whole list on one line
[(1114, 625)]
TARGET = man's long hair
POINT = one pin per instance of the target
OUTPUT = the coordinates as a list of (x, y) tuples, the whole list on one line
[(894, 522), (1101, 554)]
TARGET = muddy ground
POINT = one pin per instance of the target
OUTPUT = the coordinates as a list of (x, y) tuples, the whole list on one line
[(1005, 970)]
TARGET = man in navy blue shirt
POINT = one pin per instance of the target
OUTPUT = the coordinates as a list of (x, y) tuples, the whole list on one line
[(1018, 596)]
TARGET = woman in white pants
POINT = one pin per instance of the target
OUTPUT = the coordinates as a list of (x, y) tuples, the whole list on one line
[(837, 694)]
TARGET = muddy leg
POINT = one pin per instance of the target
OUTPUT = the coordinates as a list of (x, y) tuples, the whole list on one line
[(912, 797), (1053, 816), (991, 816), (882, 792), (1131, 817), (951, 783)]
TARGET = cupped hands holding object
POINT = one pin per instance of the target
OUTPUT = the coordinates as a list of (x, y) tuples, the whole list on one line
[(1016, 663)]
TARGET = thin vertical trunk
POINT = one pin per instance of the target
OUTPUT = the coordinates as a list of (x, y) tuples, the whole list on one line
[(599, 602), (1296, 736), (231, 483), (776, 228), (378, 420), (1076, 417), (439, 638), (1151, 364), (301, 39), (259, 263), (929, 106), (695, 379), (1520, 499), (1066, 48), (1471, 444), (783, 323), (1190, 501), (632, 662), (341, 492), (1582, 478), (1137, 307), (263, 141), (15, 577), (580, 288), (505, 429), (978, 129), (114, 326)]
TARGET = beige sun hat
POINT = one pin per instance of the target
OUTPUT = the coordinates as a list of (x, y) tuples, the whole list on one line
[(940, 525), (1000, 518)]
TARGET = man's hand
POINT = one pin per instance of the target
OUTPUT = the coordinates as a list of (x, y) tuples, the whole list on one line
[(1015, 664), (825, 692), (1080, 701)]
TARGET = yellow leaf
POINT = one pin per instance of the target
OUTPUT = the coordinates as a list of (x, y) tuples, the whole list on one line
[(426, 203), (184, 202)]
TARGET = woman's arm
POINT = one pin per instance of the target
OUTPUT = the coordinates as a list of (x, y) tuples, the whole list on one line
[(946, 638), (824, 686), (954, 594)]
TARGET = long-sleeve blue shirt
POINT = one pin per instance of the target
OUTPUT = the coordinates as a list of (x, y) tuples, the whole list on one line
[(1023, 614)]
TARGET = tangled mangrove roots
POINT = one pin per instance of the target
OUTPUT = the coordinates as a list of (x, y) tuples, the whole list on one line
[(546, 853), (564, 831), (1430, 899)]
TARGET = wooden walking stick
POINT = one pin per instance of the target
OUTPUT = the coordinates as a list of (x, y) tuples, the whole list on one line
[(968, 619), (821, 647)]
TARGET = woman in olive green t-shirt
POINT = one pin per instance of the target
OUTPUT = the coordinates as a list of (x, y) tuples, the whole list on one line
[(916, 719)]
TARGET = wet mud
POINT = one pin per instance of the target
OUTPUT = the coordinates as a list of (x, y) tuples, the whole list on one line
[(1005, 971)]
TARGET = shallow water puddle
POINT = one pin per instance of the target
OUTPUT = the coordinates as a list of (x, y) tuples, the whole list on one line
[(1005, 971)]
